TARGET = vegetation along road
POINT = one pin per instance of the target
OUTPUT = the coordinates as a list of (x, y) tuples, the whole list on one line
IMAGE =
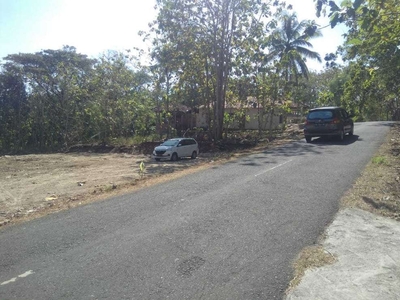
[(228, 232)]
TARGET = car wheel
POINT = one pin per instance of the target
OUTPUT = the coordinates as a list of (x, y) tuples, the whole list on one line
[(157, 159), (174, 157), (308, 139), (194, 155), (341, 135), (351, 131)]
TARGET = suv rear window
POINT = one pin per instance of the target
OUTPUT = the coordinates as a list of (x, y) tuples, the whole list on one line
[(320, 114)]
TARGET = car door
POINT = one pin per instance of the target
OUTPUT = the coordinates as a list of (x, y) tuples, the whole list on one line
[(184, 149), (192, 146)]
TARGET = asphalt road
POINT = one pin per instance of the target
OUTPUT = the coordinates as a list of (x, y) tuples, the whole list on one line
[(230, 232)]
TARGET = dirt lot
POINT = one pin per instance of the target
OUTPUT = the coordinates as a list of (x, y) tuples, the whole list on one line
[(31, 185)]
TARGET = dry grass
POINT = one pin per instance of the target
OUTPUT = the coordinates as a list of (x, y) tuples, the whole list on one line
[(309, 258), (377, 190)]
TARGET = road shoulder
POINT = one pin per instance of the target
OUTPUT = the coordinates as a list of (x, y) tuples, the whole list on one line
[(363, 239), (367, 266)]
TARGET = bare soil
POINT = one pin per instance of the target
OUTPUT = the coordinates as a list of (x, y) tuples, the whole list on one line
[(36, 184)]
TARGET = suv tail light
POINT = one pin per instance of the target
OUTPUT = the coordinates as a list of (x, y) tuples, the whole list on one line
[(335, 121)]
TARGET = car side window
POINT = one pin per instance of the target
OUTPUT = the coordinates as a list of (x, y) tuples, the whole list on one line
[(345, 114)]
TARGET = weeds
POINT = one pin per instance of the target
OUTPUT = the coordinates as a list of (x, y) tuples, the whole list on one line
[(379, 160), (142, 169)]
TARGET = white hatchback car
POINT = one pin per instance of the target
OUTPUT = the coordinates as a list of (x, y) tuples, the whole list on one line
[(173, 149)]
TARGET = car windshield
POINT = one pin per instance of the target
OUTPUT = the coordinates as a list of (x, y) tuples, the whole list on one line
[(170, 143), (320, 114)]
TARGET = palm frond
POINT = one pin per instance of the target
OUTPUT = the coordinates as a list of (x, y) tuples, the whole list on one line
[(290, 45)]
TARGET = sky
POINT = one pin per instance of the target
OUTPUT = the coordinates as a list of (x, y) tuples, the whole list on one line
[(95, 26)]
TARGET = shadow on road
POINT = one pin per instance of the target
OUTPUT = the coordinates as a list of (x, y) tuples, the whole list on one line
[(334, 141), (295, 149)]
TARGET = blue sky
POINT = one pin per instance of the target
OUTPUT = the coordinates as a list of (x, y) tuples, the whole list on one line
[(95, 26)]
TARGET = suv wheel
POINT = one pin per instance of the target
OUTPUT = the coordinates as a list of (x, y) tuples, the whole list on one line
[(341, 135), (308, 139), (351, 131), (174, 157), (194, 155)]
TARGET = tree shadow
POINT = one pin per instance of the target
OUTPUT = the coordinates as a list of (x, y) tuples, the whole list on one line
[(294, 149), (267, 157)]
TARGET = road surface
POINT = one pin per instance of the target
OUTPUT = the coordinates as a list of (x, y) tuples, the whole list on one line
[(229, 232)]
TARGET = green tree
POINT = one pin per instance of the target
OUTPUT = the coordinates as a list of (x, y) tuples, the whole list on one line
[(373, 43), (330, 85), (290, 45), (14, 110), (57, 85), (364, 93), (284, 62), (121, 104), (212, 32)]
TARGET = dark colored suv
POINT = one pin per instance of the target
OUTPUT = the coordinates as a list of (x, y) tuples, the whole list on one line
[(328, 121)]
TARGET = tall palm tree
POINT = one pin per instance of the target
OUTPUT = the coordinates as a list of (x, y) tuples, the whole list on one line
[(289, 45)]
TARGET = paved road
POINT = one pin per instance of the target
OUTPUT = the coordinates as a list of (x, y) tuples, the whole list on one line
[(229, 232)]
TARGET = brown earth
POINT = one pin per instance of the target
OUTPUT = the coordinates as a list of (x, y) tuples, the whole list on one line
[(31, 185), (37, 184)]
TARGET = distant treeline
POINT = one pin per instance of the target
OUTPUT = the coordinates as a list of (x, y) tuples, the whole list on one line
[(54, 98)]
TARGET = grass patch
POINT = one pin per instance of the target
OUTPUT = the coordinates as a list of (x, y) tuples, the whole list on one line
[(379, 160)]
